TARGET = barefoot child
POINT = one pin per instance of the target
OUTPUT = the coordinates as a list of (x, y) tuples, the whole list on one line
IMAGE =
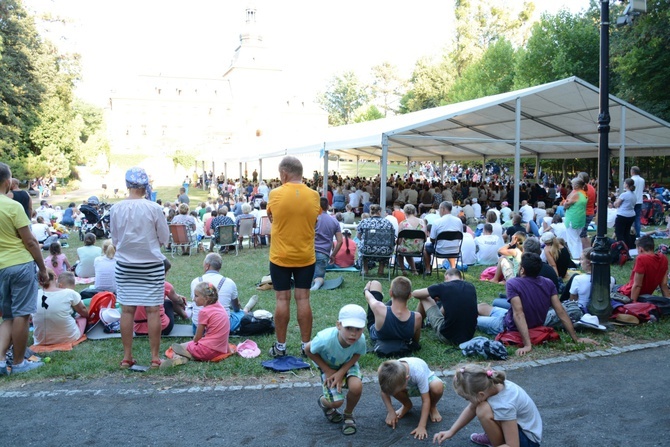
[(336, 351), (409, 377), (507, 414), (214, 319)]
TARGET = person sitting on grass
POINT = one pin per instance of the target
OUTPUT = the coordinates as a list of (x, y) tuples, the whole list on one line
[(336, 351), (53, 321), (392, 322), (211, 337), (451, 307), (510, 258), (405, 378), (530, 296), (650, 272)]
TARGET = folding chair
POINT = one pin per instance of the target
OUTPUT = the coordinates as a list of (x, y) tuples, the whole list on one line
[(409, 234), (226, 237), (264, 231), (246, 230), (181, 237), (376, 243), (452, 252)]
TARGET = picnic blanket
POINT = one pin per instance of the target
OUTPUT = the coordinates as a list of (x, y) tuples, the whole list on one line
[(96, 332), (78, 280), (343, 269), (331, 284), (58, 346)]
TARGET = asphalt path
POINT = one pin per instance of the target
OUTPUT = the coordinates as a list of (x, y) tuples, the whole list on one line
[(613, 400)]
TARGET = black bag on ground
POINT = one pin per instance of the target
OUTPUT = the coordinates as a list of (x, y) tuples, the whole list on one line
[(395, 348), (619, 253), (661, 302), (249, 325)]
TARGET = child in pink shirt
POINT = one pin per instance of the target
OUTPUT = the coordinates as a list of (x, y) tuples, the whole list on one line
[(212, 317), (56, 260)]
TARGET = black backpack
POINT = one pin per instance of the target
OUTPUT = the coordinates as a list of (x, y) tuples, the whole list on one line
[(619, 253), (254, 326)]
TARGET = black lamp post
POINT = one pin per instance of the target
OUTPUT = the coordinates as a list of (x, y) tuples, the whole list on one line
[(600, 259)]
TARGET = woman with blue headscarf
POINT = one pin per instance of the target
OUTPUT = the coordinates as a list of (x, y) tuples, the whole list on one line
[(138, 229)]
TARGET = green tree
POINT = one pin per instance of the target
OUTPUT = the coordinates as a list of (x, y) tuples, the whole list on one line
[(386, 87), (479, 23), (491, 75), (343, 96), (560, 46), (430, 84), (640, 60), (370, 113), (21, 89)]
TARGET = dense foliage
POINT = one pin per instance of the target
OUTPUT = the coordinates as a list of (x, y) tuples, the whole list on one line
[(43, 130)]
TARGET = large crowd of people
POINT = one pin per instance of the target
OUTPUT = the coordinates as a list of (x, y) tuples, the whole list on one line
[(531, 251)]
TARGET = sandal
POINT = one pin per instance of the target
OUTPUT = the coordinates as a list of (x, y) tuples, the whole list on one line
[(331, 414), (125, 364), (349, 427), (156, 363)]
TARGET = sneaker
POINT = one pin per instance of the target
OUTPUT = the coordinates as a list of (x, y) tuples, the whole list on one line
[(481, 439), (302, 350), (26, 366), (276, 352), (4, 371)]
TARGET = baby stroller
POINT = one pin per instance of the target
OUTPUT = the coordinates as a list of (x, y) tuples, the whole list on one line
[(93, 221), (652, 212)]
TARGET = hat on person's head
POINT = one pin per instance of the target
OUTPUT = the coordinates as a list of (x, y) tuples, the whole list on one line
[(591, 322), (136, 178), (346, 231), (352, 315), (54, 217), (474, 200), (547, 237), (505, 204)]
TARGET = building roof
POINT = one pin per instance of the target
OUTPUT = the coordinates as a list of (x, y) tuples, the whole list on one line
[(557, 120)]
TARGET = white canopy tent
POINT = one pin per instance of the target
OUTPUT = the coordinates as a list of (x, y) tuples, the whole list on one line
[(553, 121)]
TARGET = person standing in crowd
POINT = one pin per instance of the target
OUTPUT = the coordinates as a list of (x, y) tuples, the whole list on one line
[(625, 214), (575, 217), (18, 279), (293, 210), (138, 229), (639, 197), (22, 197)]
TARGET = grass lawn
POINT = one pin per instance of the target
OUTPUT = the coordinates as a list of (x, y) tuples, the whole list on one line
[(94, 359)]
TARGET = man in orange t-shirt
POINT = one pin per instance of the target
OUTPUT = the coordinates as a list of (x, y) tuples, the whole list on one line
[(293, 209), (590, 209)]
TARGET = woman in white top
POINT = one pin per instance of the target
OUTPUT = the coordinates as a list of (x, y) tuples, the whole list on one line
[(105, 266), (492, 218), (53, 320), (580, 288), (625, 215), (138, 231)]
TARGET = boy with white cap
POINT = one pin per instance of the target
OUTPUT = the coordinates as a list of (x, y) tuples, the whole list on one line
[(336, 351)]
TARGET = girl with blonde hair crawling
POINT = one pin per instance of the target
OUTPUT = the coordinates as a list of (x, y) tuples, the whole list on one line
[(507, 414)]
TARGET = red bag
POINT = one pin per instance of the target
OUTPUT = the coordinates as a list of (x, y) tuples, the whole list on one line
[(488, 273), (643, 311), (538, 336), (100, 300)]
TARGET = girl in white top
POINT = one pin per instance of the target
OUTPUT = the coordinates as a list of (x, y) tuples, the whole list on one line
[(104, 268), (506, 412), (580, 289), (53, 320)]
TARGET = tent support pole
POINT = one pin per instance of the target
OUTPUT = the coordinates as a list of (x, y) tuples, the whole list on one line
[(358, 159), (442, 169), (203, 175), (408, 169), (537, 167), (325, 174), (213, 172), (517, 154), (225, 171), (260, 170), (240, 175), (622, 149), (384, 173)]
